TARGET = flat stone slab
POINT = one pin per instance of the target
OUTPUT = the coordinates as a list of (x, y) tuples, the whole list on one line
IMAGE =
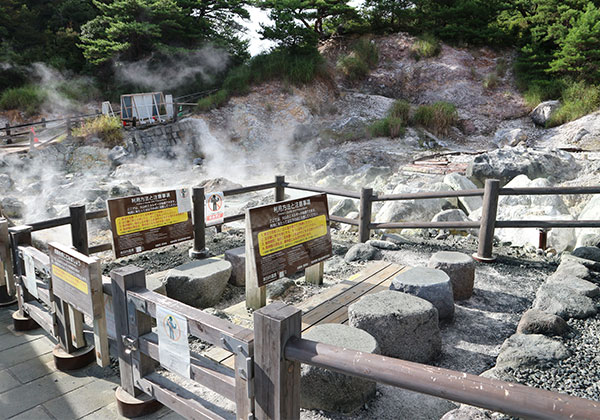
[(323, 389), (563, 302), (461, 270), (237, 258), (522, 350), (429, 284), (405, 326), (199, 283)]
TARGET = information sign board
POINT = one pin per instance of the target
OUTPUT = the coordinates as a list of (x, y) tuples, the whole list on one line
[(289, 236), (149, 221)]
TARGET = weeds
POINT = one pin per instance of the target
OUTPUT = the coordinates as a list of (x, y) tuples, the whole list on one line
[(394, 124), (425, 46), (437, 118), (107, 128), (578, 99), (491, 81), (215, 100), (27, 98), (363, 57)]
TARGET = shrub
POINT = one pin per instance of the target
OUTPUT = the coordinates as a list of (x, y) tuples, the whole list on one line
[(364, 56), (27, 98), (425, 46), (400, 110), (394, 124), (107, 128), (215, 100), (380, 128), (491, 81), (578, 99), (501, 67), (437, 118), (542, 90), (367, 51)]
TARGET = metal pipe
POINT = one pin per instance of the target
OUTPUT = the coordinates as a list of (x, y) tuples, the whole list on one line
[(514, 399), (79, 232)]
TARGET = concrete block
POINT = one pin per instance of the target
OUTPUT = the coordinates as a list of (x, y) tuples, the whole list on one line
[(237, 258)]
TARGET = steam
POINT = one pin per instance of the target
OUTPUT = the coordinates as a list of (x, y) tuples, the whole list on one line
[(161, 72)]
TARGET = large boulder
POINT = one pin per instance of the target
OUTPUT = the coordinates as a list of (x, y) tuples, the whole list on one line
[(199, 283), (542, 113), (459, 182), (563, 301), (429, 284), (89, 158), (510, 137), (343, 207), (405, 326), (588, 253), (6, 183), (123, 189), (403, 210), (526, 350), (538, 322), (13, 208), (324, 389), (361, 252), (505, 164)]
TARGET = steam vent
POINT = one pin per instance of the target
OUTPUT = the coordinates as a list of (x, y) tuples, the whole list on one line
[(285, 210)]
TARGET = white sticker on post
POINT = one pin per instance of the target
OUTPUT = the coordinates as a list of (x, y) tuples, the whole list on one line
[(184, 200), (109, 315), (30, 281), (215, 207), (173, 346)]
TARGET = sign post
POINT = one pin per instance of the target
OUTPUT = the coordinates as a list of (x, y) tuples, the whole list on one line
[(149, 221), (283, 238)]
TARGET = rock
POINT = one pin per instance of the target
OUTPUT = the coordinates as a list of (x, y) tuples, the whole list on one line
[(387, 245), (324, 389), (459, 182), (538, 322), (395, 238), (580, 286), (361, 252), (123, 189), (343, 207), (505, 164), (524, 350), (89, 158), (118, 155), (199, 283), (218, 184), (542, 113), (563, 302), (589, 264), (588, 239), (278, 288), (451, 215), (237, 258), (405, 326), (350, 228), (429, 284), (467, 413), (591, 211), (403, 210), (304, 133), (461, 270), (366, 175), (573, 268), (510, 137), (13, 207), (156, 282), (6, 183), (198, 161), (588, 253)]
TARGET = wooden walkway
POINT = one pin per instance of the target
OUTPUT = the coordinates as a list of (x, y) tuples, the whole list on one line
[(331, 306)]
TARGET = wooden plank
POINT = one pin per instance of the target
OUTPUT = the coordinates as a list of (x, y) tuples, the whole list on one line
[(320, 312), (256, 296), (6, 257), (277, 380), (203, 371), (336, 317), (361, 289), (314, 273), (99, 318), (244, 385), (202, 325), (177, 398), (44, 319)]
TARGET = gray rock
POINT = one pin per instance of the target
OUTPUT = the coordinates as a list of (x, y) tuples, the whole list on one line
[(588, 253), (395, 238), (405, 326), (510, 137), (573, 268), (467, 413), (324, 389), (563, 302), (12, 207), (542, 113), (118, 155), (304, 133), (461, 270), (505, 164), (199, 283), (537, 322), (343, 207), (387, 245), (89, 158), (589, 239), (523, 350), (451, 215), (589, 264), (278, 288), (218, 184), (580, 286), (459, 182), (361, 252), (123, 189), (429, 284), (6, 183), (237, 258)]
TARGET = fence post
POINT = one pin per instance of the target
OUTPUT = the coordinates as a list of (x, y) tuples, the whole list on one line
[(21, 235), (199, 250), (31, 142), (175, 111), (7, 129), (488, 221), (69, 127), (79, 240), (277, 380), (279, 188), (129, 325), (366, 199), (7, 279), (43, 121)]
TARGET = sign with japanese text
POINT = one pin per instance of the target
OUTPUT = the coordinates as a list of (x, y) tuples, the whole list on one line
[(289, 236), (148, 221)]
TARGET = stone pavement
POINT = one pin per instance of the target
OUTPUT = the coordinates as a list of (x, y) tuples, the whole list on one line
[(32, 389)]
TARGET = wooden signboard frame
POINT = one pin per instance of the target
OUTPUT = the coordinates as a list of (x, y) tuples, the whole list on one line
[(283, 238), (77, 281), (149, 221)]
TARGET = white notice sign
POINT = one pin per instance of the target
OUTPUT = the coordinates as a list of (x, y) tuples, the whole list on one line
[(215, 208), (30, 281), (173, 346), (184, 200)]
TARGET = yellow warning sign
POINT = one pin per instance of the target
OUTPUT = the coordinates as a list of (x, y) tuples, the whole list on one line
[(69, 278), (283, 237), (150, 220)]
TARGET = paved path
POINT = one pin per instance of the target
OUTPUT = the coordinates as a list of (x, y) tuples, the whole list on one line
[(32, 389)]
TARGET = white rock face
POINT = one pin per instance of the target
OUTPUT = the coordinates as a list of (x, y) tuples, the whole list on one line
[(590, 212), (543, 112), (510, 137), (459, 182), (523, 207), (417, 210)]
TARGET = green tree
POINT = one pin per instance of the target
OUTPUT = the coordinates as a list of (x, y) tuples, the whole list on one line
[(579, 53), (389, 14)]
